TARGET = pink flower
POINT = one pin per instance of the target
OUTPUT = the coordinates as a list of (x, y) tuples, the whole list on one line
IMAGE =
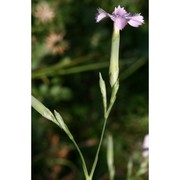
[(120, 17)]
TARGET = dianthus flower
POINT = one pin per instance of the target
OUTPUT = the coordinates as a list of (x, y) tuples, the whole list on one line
[(121, 17)]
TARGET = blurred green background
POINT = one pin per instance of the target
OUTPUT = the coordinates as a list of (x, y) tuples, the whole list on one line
[(69, 49)]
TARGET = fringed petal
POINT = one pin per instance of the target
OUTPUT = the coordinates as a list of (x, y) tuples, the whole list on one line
[(120, 22), (100, 15), (119, 11), (135, 20)]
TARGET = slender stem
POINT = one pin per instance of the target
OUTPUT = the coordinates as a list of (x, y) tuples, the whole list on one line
[(109, 110), (113, 73), (63, 64), (113, 98), (110, 107), (82, 159), (83, 68), (99, 147), (133, 68)]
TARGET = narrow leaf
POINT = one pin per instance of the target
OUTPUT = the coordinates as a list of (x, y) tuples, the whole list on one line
[(43, 110), (103, 91), (62, 124), (114, 91), (60, 120)]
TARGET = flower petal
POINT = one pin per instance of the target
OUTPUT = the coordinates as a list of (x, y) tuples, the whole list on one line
[(120, 22), (119, 11), (135, 20), (101, 15)]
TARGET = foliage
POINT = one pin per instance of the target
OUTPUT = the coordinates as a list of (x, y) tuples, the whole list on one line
[(68, 51)]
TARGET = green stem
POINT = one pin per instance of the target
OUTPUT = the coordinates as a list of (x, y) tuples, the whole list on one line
[(114, 82), (112, 100), (64, 63), (99, 147), (133, 68), (70, 70), (82, 159), (83, 68)]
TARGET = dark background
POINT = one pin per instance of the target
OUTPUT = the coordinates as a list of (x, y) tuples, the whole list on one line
[(65, 77)]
